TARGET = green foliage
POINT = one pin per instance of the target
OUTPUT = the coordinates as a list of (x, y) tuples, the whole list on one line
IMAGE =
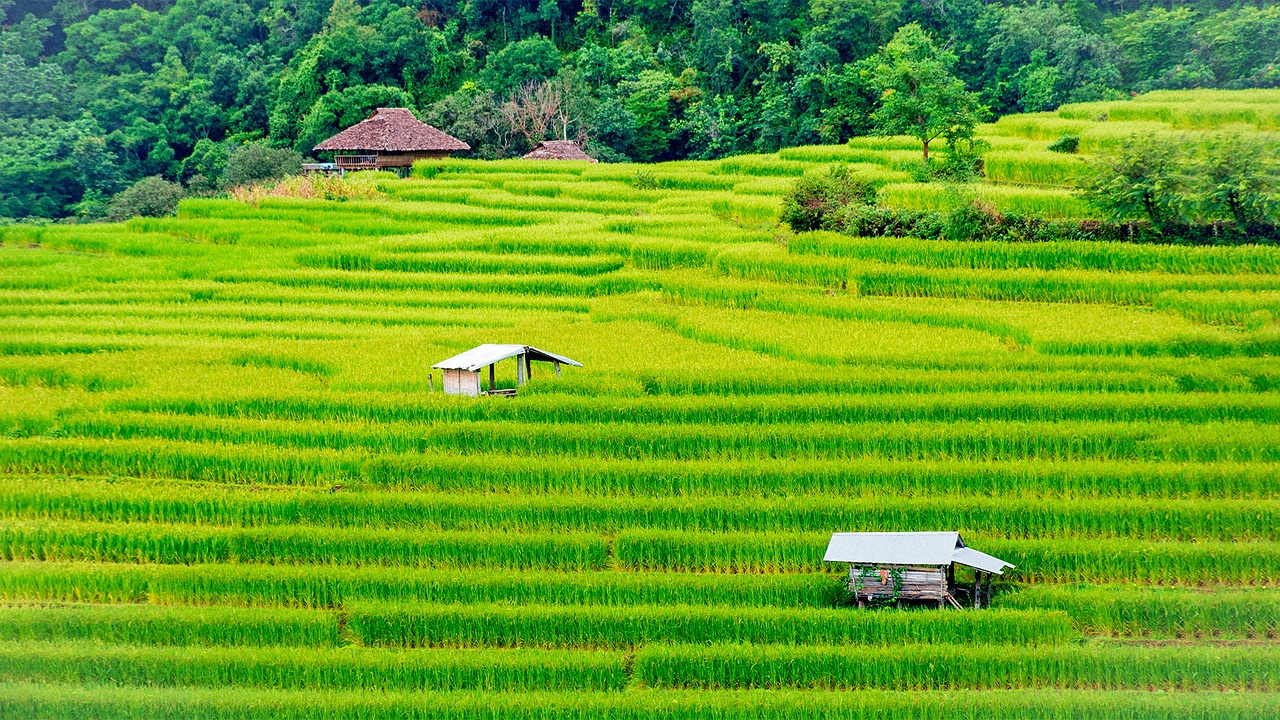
[(150, 197), (1238, 178), (919, 94), (1068, 144), (255, 162), (1143, 180), (818, 196)]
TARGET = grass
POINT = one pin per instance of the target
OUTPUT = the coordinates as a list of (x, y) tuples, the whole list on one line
[(231, 488)]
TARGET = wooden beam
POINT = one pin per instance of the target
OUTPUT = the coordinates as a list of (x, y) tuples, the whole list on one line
[(491, 374)]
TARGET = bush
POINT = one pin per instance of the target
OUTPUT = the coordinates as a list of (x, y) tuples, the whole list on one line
[(149, 197), (254, 162), (1069, 144), (817, 200)]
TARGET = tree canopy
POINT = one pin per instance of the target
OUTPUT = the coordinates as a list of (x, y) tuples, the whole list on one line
[(102, 93)]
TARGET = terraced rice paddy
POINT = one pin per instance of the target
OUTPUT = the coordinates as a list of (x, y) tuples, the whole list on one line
[(229, 490)]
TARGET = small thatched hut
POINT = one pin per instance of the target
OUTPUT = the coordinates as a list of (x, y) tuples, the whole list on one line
[(389, 139), (557, 150)]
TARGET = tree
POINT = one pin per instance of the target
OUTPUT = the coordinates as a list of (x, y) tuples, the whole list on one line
[(1236, 178), (531, 60), (919, 95), (533, 110), (1144, 179), (149, 197), (255, 162)]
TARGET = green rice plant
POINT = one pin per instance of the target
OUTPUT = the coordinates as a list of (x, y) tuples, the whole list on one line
[(628, 626), (504, 473), (873, 278), (546, 285), (297, 545), (333, 586), (766, 165), (312, 667), (1036, 126), (895, 142), (1066, 255), (57, 701), (1035, 202), (1157, 612), (937, 667), (981, 440), (168, 625), (1041, 168), (171, 502), (462, 263), (1250, 310), (1056, 560)]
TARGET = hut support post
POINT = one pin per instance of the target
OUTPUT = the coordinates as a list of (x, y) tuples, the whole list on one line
[(986, 593), (557, 368), (491, 374), (977, 589), (520, 370)]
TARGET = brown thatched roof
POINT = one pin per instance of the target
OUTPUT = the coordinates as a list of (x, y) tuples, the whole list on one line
[(557, 150), (393, 130)]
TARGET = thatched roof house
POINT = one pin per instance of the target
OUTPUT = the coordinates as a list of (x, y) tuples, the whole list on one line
[(389, 138), (557, 150)]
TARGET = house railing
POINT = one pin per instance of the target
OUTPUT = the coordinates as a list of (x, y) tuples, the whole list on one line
[(348, 162)]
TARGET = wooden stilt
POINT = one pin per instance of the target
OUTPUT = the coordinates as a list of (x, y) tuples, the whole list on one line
[(491, 375)]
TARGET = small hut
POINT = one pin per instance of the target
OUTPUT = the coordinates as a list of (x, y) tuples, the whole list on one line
[(389, 139), (462, 372), (557, 150), (914, 566)]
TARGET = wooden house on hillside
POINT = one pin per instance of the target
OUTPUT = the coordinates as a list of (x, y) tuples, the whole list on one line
[(913, 566), (557, 150), (389, 139), (462, 372)]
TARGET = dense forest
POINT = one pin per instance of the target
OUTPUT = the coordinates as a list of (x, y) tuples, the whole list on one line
[(100, 93)]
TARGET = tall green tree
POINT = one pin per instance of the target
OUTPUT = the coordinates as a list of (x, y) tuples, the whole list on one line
[(919, 95)]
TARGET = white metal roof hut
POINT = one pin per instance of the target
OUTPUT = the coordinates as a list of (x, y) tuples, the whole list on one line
[(462, 372), (912, 566)]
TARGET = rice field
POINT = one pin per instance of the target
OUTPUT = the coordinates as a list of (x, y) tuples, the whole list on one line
[(231, 487)]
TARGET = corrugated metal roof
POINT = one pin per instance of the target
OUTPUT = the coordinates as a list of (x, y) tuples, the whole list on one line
[(909, 548), (490, 353), (980, 560)]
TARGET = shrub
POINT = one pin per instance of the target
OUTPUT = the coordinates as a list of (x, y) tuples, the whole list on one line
[(1069, 144), (644, 180), (255, 162), (149, 197), (817, 200)]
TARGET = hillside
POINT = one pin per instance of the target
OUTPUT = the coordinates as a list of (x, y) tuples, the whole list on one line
[(232, 486), (102, 93)]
